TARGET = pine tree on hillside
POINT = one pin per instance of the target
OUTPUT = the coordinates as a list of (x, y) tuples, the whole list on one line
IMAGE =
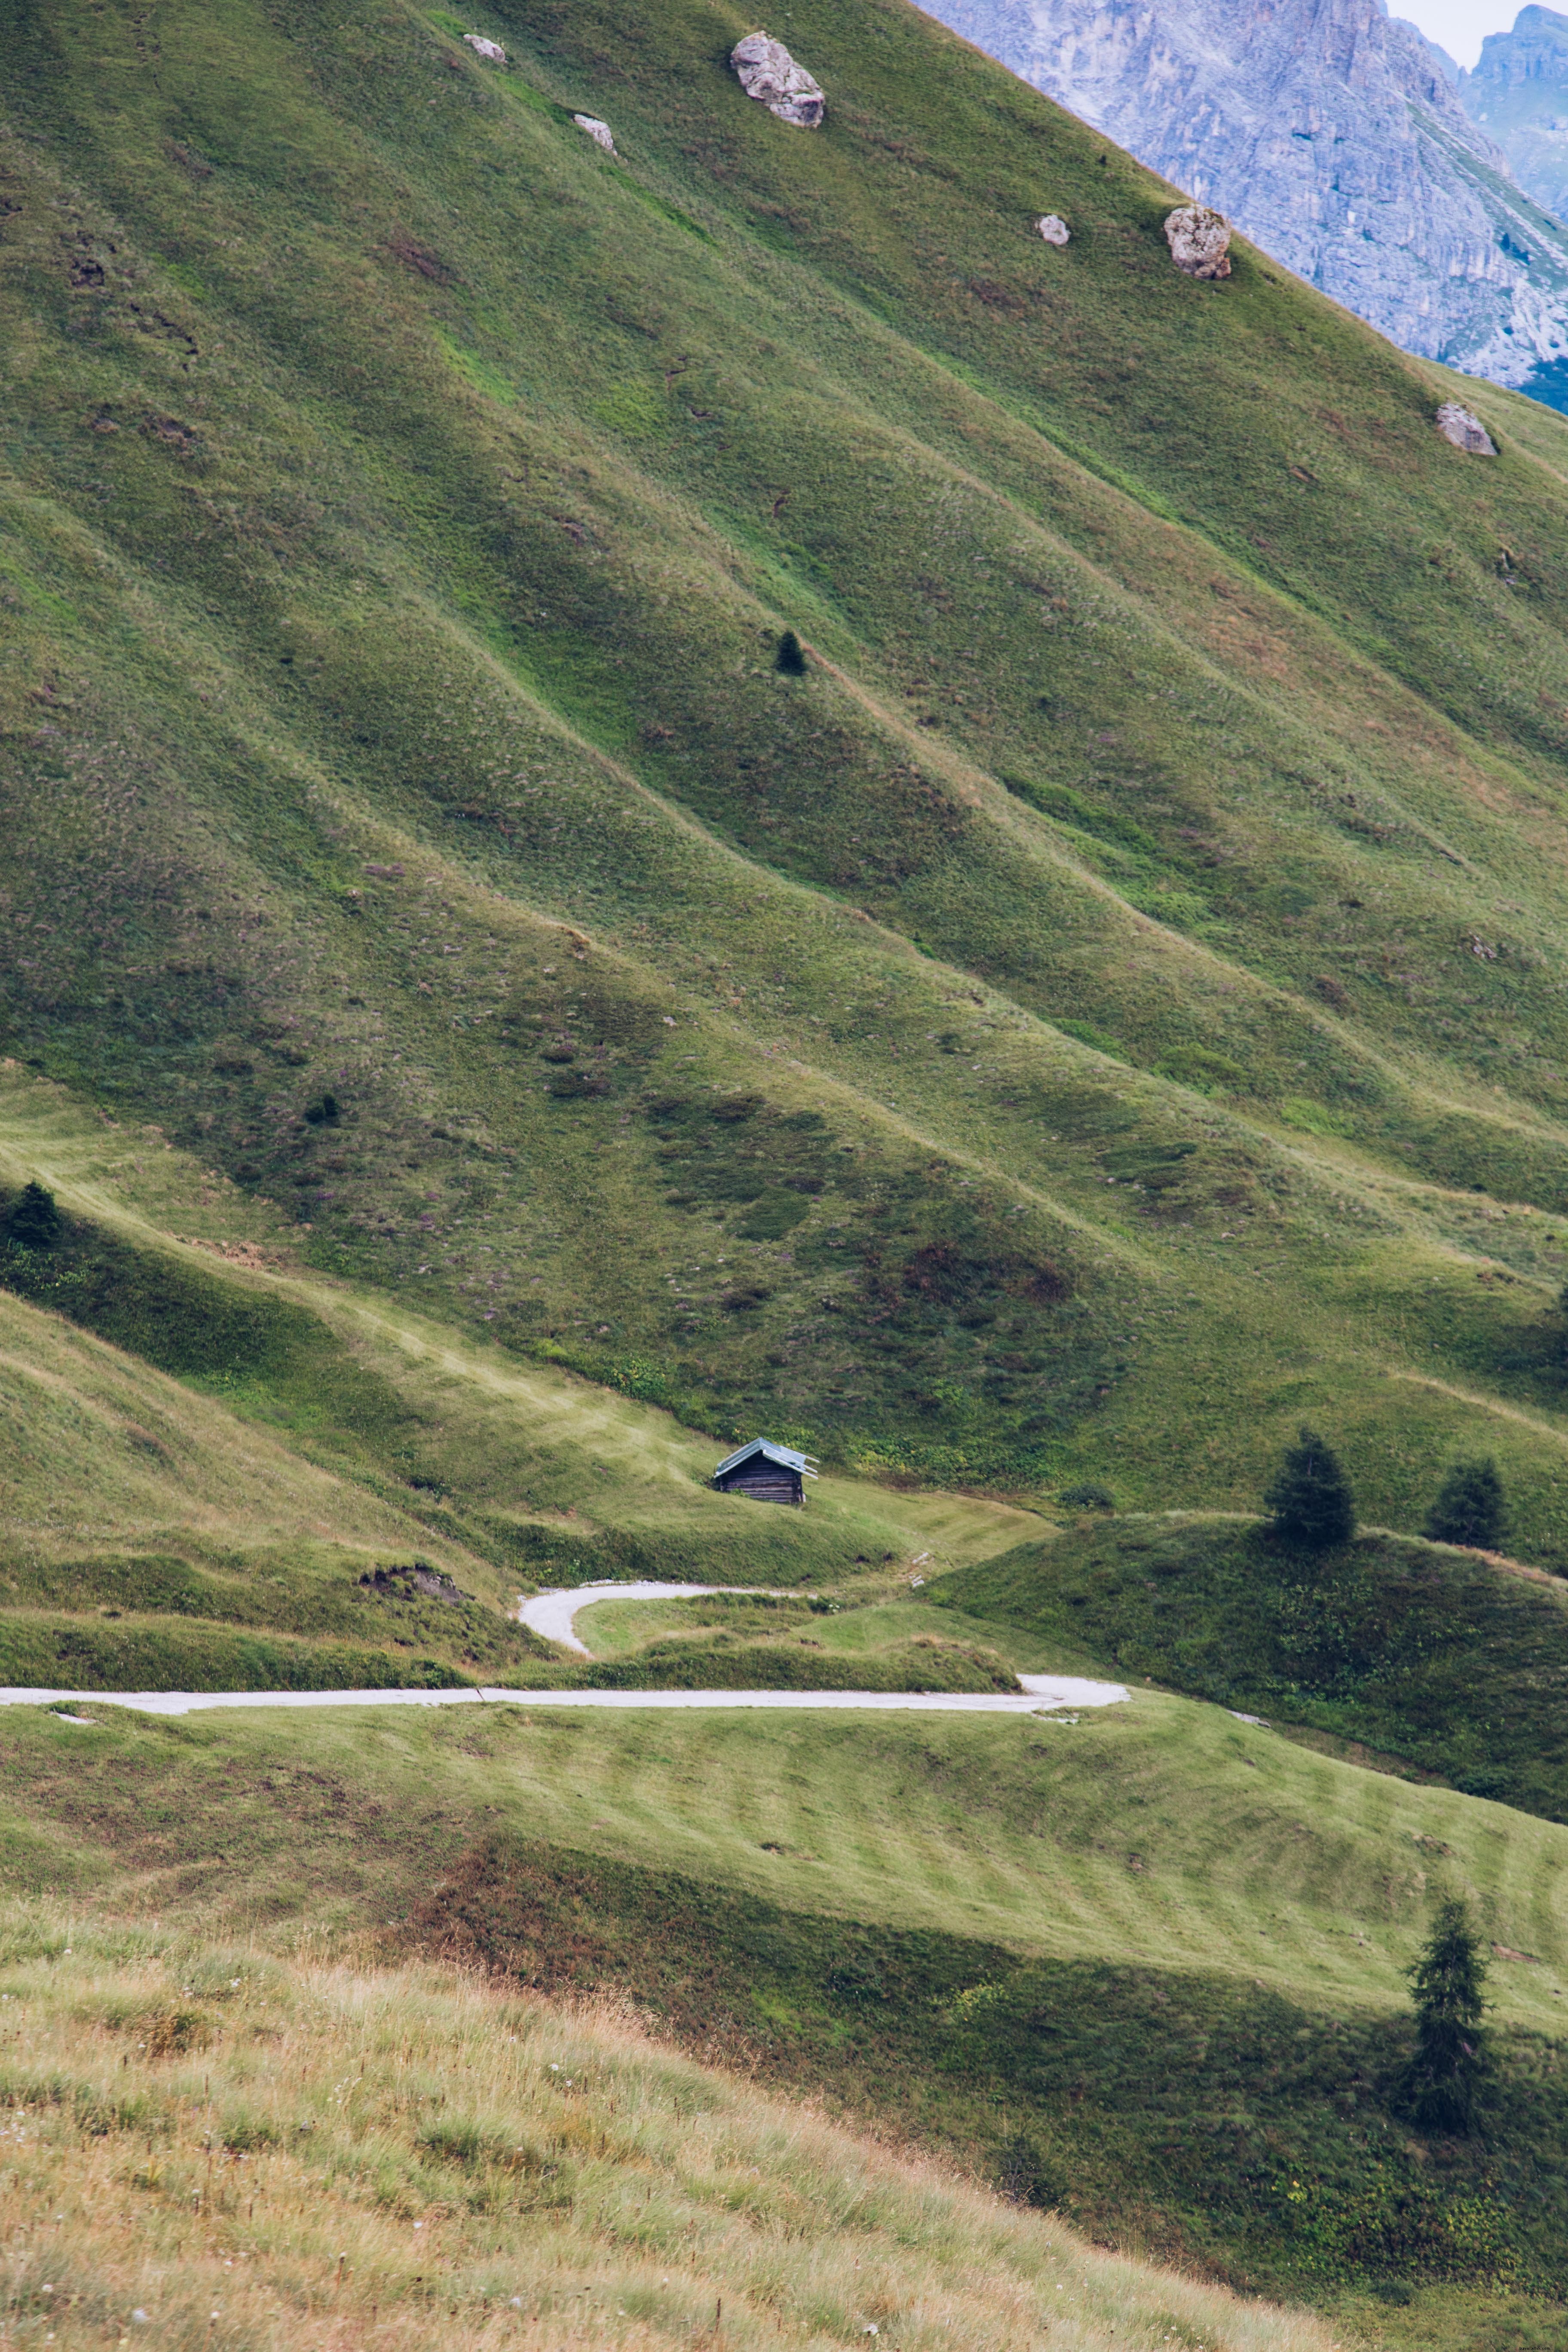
[(1469, 1509), (34, 1221), (1309, 1502), (791, 655), (1446, 1983)]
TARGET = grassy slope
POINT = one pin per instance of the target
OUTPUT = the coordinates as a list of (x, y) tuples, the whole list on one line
[(1110, 1006), (400, 1439), (1175, 683), (366, 2121), (1192, 1933), (1422, 1652)]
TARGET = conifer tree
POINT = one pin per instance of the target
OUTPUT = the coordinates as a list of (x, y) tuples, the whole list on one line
[(1446, 1983), (1469, 1507), (1309, 1502), (791, 656), (34, 1221)]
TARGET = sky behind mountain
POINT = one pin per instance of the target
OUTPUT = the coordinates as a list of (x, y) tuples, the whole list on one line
[(1457, 25)]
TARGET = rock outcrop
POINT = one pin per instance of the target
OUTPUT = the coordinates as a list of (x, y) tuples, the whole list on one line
[(769, 74), (1199, 239), (491, 51), (1518, 95), (1464, 428), (1333, 136), (1054, 229), (599, 132)]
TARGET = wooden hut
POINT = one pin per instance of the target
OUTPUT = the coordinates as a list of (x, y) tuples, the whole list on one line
[(768, 1473)]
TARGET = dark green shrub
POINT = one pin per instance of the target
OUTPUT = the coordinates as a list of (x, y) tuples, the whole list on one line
[(1087, 1497), (791, 655), (1469, 1509), (1309, 1502), (34, 1221), (1447, 1982), (771, 1215)]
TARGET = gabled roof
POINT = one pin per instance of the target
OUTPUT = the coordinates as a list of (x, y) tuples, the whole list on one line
[(784, 1455)]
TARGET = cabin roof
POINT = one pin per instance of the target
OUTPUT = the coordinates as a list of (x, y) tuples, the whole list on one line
[(784, 1455)]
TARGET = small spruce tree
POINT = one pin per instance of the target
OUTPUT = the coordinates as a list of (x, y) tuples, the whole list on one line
[(34, 1221), (1446, 1983), (1469, 1507), (1310, 1502), (791, 655)]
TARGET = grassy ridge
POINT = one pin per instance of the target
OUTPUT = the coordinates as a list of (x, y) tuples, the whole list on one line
[(311, 1440), (1150, 1963), (1417, 1648), (441, 855), (1204, 2122)]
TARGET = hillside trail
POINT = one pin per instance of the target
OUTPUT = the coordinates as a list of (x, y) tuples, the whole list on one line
[(553, 1614), (1041, 1696)]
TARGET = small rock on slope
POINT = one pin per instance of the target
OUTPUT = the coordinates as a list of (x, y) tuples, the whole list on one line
[(1054, 229), (769, 74), (491, 51), (1465, 430), (600, 133), (1199, 239)]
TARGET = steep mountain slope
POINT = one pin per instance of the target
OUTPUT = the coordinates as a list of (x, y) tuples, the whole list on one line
[(1518, 95), (1078, 1023), (1336, 137)]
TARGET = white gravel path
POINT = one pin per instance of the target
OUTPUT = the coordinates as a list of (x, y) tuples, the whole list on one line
[(1040, 1695), (552, 1613)]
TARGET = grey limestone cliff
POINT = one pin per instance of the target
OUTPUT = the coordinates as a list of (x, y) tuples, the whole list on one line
[(1518, 95), (1335, 137)]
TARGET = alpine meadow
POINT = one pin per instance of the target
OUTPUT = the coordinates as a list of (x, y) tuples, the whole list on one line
[(685, 786)]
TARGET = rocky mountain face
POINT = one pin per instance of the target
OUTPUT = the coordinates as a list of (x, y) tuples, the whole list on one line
[(1335, 137), (1518, 95)]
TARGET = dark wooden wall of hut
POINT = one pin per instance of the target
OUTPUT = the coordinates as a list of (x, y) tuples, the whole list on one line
[(765, 1484)]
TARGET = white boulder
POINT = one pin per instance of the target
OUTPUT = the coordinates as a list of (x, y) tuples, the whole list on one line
[(769, 74), (1465, 430), (599, 132), (491, 51), (1199, 239), (1054, 229)]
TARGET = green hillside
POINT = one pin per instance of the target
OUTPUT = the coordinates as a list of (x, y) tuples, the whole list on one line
[(1439, 1662), (404, 504), (494, 1031), (1145, 1967)]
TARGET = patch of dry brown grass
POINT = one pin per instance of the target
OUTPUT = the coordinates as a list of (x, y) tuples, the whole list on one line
[(277, 2155)]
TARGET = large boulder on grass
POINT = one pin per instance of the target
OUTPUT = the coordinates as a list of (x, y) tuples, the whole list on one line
[(1199, 239), (1464, 428), (769, 74)]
